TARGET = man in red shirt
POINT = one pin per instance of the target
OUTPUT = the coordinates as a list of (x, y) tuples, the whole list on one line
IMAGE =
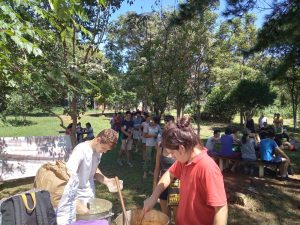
[(202, 194)]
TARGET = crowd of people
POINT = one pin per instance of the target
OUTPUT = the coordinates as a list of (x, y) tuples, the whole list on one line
[(88, 132), (137, 129), (268, 143), (183, 165)]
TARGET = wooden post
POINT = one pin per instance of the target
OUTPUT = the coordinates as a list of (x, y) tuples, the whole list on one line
[(261, 170)]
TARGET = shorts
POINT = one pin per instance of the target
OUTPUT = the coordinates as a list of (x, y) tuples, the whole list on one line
[(274, 160), (126, 144), (212, 153), (233, 155), (144, 140), (136, 134)]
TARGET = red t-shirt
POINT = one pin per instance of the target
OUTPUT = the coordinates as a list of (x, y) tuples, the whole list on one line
[(201, 189)]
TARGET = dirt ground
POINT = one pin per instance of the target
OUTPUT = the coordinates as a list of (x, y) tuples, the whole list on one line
[(266, 200)]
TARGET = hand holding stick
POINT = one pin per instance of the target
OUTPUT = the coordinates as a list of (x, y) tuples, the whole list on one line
[(122, 202), (142, 218)]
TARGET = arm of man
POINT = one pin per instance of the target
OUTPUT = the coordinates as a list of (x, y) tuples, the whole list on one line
[(163, 183), (221, 214), (100, 177), (157, 166), (124, 131), (278, 151), (147, 135), (74, 161)]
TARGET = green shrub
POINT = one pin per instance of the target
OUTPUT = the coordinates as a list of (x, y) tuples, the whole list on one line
[(219, 105), (19, 104)]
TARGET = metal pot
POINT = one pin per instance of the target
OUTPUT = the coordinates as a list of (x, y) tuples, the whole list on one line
[(99, 209), (153, 217)]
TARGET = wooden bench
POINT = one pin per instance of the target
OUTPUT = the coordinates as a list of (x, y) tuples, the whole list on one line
[(223, 162)]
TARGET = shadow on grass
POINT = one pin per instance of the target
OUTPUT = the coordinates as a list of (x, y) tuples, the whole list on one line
[(9, 188), (273, 202), (20, 122), (40, 114), (106, 116)]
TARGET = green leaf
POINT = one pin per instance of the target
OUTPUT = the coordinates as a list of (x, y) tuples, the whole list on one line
[(17, 2), (102, 2)]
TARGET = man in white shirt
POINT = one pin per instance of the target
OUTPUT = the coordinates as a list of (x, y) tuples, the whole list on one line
[(85, 159), (211, 141), (262, 121)]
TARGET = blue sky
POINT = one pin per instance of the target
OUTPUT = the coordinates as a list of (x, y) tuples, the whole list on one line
[(143, 6)]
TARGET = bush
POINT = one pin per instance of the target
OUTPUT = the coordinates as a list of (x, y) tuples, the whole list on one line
[(19, 104), (251, 95), (219, 105)]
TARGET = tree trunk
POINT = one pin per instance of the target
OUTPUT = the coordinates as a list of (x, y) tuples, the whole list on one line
[(295, 118), (241, 117), (73, 115), (162, 111), (198, 114), (294, 106), (294, 97), (155, 109), (178, 109), (104, 107)]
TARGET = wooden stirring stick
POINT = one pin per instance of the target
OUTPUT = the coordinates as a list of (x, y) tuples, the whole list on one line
[(122, 202), (142, 218)]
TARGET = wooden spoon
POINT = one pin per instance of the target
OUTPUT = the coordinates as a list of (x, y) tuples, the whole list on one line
[(142, 218), (125, 219)]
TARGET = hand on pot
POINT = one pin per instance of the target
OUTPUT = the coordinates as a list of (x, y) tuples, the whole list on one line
[(149, 204), (81, 208)]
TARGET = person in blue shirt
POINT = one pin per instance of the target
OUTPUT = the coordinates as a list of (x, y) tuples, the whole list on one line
[(127, 130), (227, 142), (271, 153)]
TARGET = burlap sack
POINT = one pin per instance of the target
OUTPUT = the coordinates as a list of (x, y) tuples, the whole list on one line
[(53, 178)]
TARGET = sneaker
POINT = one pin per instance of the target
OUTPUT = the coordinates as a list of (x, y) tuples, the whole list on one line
[(129, 164), (290, 170), (119, 162)]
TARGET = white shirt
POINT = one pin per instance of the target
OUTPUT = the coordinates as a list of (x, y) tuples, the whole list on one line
[(262, 121), (145, 126), (152, 130), (210, 144), (84, 162)]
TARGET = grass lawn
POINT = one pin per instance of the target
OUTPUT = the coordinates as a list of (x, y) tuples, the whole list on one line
[(268, 201)]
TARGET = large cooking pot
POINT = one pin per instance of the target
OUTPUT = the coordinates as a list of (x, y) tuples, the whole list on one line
[(99, 209), (153, 217)]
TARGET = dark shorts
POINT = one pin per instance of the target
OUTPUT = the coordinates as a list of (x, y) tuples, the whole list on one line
[(233, 155), (212, 153), (164, 195)]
